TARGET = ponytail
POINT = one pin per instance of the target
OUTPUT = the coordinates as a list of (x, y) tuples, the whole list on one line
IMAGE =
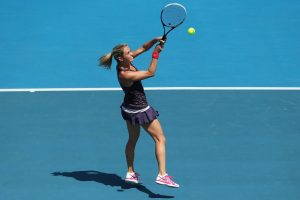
[(106, 60)]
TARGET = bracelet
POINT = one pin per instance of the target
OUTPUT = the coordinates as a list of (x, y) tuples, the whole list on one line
[(155, 55)]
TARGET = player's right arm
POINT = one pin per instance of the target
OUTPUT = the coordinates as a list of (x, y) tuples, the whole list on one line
[(141, 75)]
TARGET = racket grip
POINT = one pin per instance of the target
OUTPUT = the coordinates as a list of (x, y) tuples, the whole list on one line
[(164, 37)]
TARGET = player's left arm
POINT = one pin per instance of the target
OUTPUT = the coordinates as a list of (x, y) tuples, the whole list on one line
[(145, 47)]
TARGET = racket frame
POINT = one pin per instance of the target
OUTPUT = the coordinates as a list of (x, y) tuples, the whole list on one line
[(171, 27)]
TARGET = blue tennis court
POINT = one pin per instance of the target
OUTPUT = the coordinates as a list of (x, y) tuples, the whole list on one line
[(230, 145), (228, 98)]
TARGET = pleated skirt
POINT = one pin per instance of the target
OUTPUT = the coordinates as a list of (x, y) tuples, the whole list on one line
[(140, 118)]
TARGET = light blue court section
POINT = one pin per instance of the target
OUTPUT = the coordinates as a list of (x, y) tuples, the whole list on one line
[(56, 44), (228, 145)]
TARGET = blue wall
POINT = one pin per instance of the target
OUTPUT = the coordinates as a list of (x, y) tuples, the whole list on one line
[(238, 43)]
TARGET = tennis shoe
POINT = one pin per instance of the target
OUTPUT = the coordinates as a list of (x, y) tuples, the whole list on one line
[(166, 180), (133, 177)]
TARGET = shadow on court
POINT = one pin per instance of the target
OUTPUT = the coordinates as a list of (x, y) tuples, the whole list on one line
[(109, 179)]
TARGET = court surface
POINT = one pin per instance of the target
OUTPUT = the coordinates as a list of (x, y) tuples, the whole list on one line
[(220, 145)]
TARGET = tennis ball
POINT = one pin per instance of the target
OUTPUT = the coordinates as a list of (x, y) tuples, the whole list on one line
[(191, 31)]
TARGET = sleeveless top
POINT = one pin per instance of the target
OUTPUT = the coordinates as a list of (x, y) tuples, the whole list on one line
[(135, 97)]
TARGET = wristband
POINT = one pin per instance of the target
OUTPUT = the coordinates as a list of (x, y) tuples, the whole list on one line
[(155, 55)]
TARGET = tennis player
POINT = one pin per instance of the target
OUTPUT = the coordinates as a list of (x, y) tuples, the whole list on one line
[(135, 108)]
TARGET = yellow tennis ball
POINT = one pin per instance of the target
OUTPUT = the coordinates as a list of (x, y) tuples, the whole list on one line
[(191, 31)]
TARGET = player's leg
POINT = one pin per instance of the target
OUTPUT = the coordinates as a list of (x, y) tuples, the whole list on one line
[(155, 130), (133, 136)]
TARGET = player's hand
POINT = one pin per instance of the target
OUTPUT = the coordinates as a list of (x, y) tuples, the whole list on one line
[(158, 38), (158, 48)]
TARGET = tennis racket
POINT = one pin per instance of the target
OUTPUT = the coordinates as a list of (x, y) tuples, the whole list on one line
[(171, 16)]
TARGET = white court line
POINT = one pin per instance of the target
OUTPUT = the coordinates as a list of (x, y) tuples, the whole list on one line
[(222, 88), (146, 88)]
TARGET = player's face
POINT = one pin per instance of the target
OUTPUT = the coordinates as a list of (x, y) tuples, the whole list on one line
[(127, 54)]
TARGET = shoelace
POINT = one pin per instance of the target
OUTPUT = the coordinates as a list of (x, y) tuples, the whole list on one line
[(135, 176), (168, 179)]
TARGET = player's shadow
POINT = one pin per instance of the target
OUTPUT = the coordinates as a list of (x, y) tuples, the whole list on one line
[(108, 179)]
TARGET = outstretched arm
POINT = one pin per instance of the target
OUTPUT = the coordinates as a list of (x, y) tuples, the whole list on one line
[(140, 75), (146, 46)]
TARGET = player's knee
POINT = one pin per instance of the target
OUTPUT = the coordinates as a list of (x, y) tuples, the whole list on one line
[(161, 139)]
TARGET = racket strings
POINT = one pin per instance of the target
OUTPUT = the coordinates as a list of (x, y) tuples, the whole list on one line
[(173, 15)]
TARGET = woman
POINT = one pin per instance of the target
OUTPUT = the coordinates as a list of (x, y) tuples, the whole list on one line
[(135, 109)]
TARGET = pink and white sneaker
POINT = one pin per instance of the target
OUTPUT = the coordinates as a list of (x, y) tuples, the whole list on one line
[(166, 180), (133, 177)]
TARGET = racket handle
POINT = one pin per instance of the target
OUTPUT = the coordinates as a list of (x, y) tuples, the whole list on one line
[(164, 37)]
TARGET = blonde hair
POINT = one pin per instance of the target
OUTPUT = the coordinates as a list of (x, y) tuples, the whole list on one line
[(106, 59)]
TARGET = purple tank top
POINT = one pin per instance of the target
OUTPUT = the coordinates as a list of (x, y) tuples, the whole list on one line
[(135, 97)]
